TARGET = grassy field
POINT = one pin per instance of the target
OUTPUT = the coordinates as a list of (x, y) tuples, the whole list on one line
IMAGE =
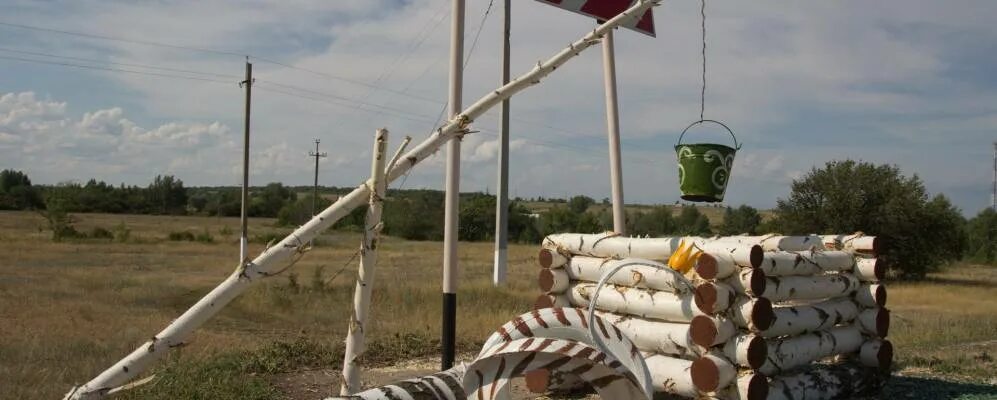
[(68, 310)]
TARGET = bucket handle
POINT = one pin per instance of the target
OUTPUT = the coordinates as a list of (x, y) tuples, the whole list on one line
[(736, 145)]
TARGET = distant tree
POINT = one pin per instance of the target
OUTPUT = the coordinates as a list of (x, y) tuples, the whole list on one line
[(557, 219), (580, 204), (692, 222), (167, 195), (522, 227), (744, 219), (268, 201), (477, 217), (849, 196), (982, 237), (16, 192), (655, 223)]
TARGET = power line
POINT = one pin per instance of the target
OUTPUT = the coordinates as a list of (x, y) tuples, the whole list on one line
[(186, 71), (120, 39), (92, 67)]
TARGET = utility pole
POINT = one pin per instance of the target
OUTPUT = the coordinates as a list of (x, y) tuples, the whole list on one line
[(993, 197), (502, 195), (449, 323), (613, 125), (244, 240), (317, 155)]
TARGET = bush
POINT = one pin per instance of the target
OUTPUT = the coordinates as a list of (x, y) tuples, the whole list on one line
[(982, 237), (121, 232), (744, 219), (59, 221), (100, 233), (183, 236), (204, 237)]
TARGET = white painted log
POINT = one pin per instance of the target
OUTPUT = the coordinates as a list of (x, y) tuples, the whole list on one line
[(825, 383), (639, 302), (715, 265), (551, 300), (276, 257), (612, 245), (714, 297), (874, 322), (784, 263), (871, 295), (750, 385), (774, 242), (753, 314), (669, 338), (444, 385), (638, 273), (795, 320), (746, 350), (548, 258), (356, 332), (708, 331), (782, 288), (671, 375), (797, 351), (869, 269), (857, 242), (712, 372), (748, 282), (553, 281), (877, 353)]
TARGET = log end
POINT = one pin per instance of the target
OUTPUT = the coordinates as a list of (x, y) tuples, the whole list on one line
[(875, 245), (879, 269), (762, 315), (705, 374), (545, 258), (703, 331), (880, 295), (758, 387), (538, 380), (545, 280), (706, 266), (885, 355), (883, 322), (756, 256), (758, 282), (757, 352), (706, 298), (543, 301)]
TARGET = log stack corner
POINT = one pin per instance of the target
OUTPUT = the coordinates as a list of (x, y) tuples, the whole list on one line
[(758, 317)]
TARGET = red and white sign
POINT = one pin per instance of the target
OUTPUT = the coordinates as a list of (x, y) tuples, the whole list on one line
[(606, 9)]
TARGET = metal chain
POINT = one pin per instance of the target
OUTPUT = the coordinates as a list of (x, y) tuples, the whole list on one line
[(702, 94)]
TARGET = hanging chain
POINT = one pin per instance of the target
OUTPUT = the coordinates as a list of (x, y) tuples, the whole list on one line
[(702, 94)]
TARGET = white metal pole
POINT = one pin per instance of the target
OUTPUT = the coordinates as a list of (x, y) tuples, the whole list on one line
[(450, 267), (502, 196), (613, 125), (357, 333), (277, 256), (243, 215)]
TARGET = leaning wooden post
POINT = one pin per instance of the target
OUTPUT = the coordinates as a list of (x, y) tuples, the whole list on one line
[(365, 276)]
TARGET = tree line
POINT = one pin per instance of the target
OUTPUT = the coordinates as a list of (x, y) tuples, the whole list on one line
[(921, 232)]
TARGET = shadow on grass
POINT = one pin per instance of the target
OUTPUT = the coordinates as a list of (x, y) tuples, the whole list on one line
[(906, 387)]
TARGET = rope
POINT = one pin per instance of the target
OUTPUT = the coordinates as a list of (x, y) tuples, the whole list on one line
[(702, 94)]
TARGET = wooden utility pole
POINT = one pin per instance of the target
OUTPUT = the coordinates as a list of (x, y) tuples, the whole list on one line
[(244, 240), (317, 155), (502, 196)]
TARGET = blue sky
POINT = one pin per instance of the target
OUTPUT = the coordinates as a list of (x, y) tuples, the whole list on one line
[(910, 83)]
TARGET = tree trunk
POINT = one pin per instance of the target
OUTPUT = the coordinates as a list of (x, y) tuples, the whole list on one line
[(877, 353), (780, 243), (797, 351), (855, 242), (712, 372), (642, 303), (671, 375), (669, 338), (783, 263), (715, 265), (821, 316), (709, 331), (611, 245), (875, 321), (645, 274), (809, 287), (871, 295), (548, 258), (553, 281), (753, 314), (356, 334), (826, 382)]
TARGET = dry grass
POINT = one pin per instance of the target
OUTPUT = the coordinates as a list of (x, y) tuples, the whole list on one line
[(68, 310)]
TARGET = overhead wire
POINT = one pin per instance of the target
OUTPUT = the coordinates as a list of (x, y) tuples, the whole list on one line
[(91, 60), (102, 68)]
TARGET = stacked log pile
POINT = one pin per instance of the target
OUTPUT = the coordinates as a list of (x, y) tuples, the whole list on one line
[(751, 320)]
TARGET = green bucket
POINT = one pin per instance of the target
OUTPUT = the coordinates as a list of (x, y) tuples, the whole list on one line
[(704, 168)]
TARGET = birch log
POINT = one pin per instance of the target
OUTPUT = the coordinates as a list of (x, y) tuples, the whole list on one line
[(714, 297), (176, 333), (669, 338), (877, 353), (444, 385), (715, 265), (549, 258), (611, 245), (642, 303), (709, 331), (826, 383), (551, 300), (783, 263), (809, 287), (780, 243), (746, 350), (638, 273), (797, 351), (857, 242), (712, 372), (554, 281), (749, 385), (753, 314), (355, 336), (871, 295), (671, 375), (748, 281), (870, 269), (795, 320), (874, 321)]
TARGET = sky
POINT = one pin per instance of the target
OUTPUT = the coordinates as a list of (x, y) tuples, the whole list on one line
[(910, 83)]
